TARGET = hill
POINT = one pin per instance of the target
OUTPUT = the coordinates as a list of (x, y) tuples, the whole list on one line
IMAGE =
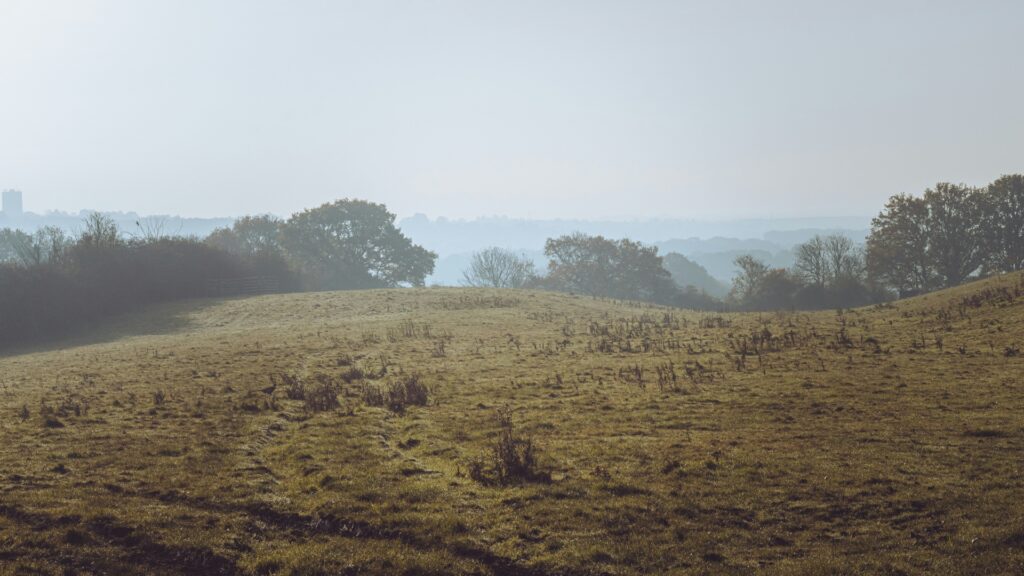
[(292, 435), (686, 272)]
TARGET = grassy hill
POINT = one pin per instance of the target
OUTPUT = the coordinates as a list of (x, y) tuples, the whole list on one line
[(287, 435)]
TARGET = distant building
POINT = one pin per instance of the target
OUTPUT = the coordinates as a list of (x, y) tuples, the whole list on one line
[(12, 203)]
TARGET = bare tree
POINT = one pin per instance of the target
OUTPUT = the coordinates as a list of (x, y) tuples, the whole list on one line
[(843, 257), (499, 268), (10, 241), (812, 263), (48, 245), (152, 228), (100, 232)]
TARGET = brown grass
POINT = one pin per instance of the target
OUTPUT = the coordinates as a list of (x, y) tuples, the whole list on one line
[(635, 439)]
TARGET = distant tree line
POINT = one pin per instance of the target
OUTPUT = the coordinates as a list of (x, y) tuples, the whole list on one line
[(52, 282), (829, 272), (345, 245), (591, 265), (948, 235)]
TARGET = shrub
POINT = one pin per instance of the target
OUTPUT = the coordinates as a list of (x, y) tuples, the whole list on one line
[(295, 388), (397, 396), (323, 397), (102, 274), (513, 458)]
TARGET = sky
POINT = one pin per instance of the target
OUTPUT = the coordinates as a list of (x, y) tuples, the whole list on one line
[(542, 109)]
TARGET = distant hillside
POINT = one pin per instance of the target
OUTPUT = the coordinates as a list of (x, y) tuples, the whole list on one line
[(715, 253), (686, 272), (448, 237)]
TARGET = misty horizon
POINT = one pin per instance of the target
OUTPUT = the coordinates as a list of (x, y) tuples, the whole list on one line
[(455, 219), (595, 111)]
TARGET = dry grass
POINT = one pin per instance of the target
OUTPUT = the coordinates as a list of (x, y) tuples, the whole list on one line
[(245, 437)]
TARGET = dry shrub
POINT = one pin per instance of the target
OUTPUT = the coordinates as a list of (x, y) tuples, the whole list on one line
[(323, 396), (513, 458), (294, 387), (397, 396), (352, 374)]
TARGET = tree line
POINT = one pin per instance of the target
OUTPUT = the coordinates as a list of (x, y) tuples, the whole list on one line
[(950, 234), (947, 235), (52, 282), (942, 238), (590, 265)]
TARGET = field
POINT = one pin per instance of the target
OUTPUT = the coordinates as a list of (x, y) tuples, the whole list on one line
[(465, 431)]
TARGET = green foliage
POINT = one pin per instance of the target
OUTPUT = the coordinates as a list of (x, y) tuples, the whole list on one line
[(52, 282), (751, 273), (249, 236), (954, 231), (57, 284), (897, 249), (1003, 227), (354, 244), (597, 266), (949, 234), (758, 287)]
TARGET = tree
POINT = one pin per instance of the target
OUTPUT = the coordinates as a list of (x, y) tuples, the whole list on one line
[(47, 245), (153, 228), (917, 244), (249, 236), (750, 273), (842, 257), (11, 240), (352, 244), (499, 268), (1004, 224), (897, 248), (100, 232), (758, 287), (812, 263), (598, 266), (823, 262), (954, 231), (775, 291)]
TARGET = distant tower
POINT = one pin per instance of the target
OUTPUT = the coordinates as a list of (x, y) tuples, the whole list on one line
[(12, 203)]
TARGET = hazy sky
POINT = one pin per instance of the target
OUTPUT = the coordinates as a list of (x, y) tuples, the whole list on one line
[(545, 109)]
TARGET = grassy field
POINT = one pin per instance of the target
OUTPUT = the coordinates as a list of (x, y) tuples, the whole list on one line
[(359, 432)]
